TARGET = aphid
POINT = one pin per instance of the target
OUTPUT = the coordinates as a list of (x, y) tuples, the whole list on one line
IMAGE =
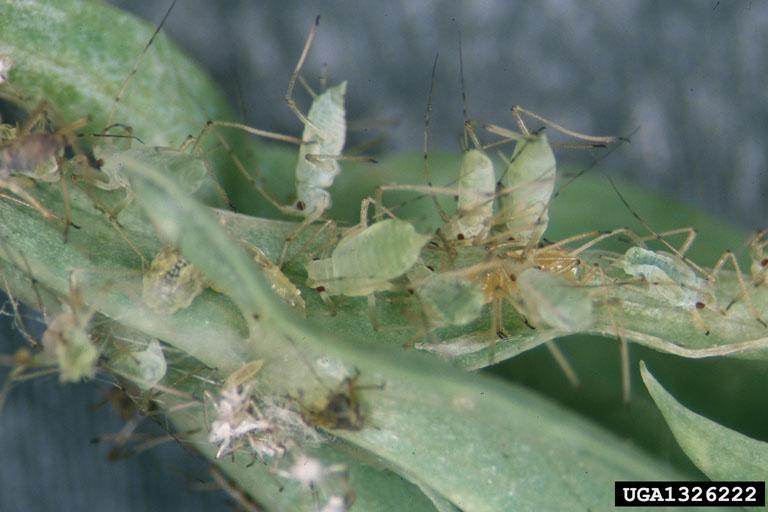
[(171, 283), (320, 146), (34, 152), (366, 260), (673, 281)]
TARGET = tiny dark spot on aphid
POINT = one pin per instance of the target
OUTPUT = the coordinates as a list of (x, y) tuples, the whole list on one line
[(315, 258), (320, 289), (99, 163), (512, 277), (510, 239), (256, 316), (764, 262), (410, 290), (300, 205), (700, 305), (455, 198), (500, 334), (431, 268), (706, 333), (460, 236)]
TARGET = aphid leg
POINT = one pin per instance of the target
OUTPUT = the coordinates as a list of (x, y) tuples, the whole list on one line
[(518, 112), (729, 257), (618, 329), (287, 210), (244, 500), (373, 316), (425, 148), (563, 363)]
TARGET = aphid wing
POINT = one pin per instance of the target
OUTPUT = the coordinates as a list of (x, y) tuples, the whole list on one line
[(531, 177), (548, 299), (477, 187)]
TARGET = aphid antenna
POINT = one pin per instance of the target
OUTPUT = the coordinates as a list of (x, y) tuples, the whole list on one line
[(427, 129), (295, 75), (137, 63)]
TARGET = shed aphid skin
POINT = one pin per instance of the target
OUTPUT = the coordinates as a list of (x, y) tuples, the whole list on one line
[(67, 340), (171, 283), (332, 480), (278, 281), (367, 260)]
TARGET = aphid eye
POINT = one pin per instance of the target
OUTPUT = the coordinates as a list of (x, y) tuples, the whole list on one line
[(320, 289), (700, 305), (512, 277), (764, 262), (99, 163), (460, 236), (300, 205)]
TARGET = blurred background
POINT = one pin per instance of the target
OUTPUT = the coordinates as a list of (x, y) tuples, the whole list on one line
[(686, 78), (689, 76)]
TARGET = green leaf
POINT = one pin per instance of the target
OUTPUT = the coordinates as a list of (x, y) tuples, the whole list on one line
[(721, 453), (509, 437)]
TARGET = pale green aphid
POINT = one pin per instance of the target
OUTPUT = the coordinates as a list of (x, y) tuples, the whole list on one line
[(450, 300), (530, 178), (367, 261), (548, 299), (323, 138), (671, 278), (146, 365), (476, 192)]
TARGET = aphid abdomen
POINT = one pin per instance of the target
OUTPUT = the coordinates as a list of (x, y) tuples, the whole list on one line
[(323, 140), (365, 262), (554, 301), (34, 156), (477, 188), (530, 178), (385, 250)]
